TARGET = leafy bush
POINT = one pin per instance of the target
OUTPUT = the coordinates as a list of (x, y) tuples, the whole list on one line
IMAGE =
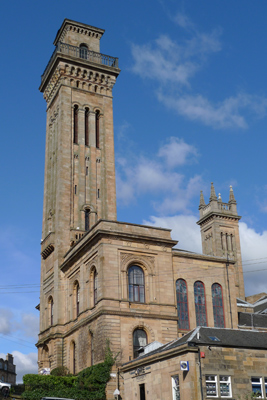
[(60, 371), (89, 384)]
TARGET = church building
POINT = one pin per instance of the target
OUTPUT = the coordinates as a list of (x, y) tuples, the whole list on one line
[(105, 279)]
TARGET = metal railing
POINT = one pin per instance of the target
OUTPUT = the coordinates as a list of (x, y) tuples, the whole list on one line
[(82, 53)]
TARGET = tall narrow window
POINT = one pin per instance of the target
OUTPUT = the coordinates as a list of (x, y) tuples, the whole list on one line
[(136, 284), (92, 349), (97, 118), (86, 127), (217, 302), (95, 287), (200, 304), (87, 220), (73, 357), (51, 311), (75, 124), (77, 299), (139, 340), (175, 387), (182, 304)]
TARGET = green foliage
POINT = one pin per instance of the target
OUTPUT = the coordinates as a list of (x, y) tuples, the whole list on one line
[(89, 384), (60, 371)]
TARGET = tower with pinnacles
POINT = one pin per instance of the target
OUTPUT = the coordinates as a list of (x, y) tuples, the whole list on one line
[(102, 279)]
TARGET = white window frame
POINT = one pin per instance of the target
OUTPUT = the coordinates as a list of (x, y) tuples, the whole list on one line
[(228, 382), (217, 381), (175, 379), (260, 383), (214, 382)]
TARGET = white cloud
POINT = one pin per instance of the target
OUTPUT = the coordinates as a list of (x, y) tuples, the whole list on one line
[(30, 325), (141, 176), (172, 66), (184, 229), (177, 152), (254, 255), (25, 364)]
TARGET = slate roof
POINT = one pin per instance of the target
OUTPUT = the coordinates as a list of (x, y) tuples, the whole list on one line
[(252, 320), (237, 338)]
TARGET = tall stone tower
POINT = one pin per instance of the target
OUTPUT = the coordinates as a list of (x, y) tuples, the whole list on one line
[(220, 232), (79, 184)]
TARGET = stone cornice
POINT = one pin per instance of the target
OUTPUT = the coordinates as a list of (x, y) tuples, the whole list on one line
[(84, 29), (97, 314), (205, 257), (157, 357), (216, 214), (97, 233)]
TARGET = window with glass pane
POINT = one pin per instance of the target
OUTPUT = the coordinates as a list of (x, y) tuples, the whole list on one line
[(95, 287), (265, 384), (182, 304), (225, 386), (83, 51), (136, 284), (139, 340), (211, 385), (175, 388), (217, 302), (257, 386), (200, 303)]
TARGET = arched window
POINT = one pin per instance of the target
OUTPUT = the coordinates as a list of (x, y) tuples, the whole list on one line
[(200, 303), (97, 118), (51, 310), (86, 127), (217, 302), (77, 298), (73, 357), (92, 348), (182, 304), (83, 51), (95, 287), (136, 284), (139, 340), (87, 220), (75, 124)]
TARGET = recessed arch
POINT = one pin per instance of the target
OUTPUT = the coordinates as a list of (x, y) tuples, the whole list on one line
[(200, 303), (182, 304), (217, 304)]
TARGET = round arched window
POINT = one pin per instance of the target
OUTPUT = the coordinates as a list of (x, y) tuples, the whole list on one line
[(136, 284), (139, 341)]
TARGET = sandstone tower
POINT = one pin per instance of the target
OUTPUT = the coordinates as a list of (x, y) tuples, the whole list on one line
[(220, 232), (100, 278)]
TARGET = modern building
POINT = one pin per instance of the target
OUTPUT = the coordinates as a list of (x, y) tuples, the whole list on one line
[(8, 370), (104, 279), (204, 364)]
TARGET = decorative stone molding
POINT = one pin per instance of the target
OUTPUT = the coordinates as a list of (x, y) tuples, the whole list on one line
[(127, 259)]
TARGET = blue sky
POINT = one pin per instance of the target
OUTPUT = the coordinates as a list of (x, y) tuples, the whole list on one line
[(190, 108)]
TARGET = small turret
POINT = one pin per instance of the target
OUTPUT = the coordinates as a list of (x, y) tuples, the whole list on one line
[(220, 231)]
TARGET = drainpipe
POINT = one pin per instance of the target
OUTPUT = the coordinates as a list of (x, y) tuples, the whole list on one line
[(227, 265), (200, 375)]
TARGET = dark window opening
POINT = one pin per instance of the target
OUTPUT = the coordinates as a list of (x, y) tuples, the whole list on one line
[(97, 118), (75, 124), (87, 220), (87, 170), (75, 189), (142, 391), (86, 127), (95, 287), (77, 299), (136, 284), (83, 51), (139, 340), (182, 304), (98, 193), (51, 311), (92, 349)]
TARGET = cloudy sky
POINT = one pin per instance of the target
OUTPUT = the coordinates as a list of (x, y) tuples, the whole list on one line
[(190, 108)]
